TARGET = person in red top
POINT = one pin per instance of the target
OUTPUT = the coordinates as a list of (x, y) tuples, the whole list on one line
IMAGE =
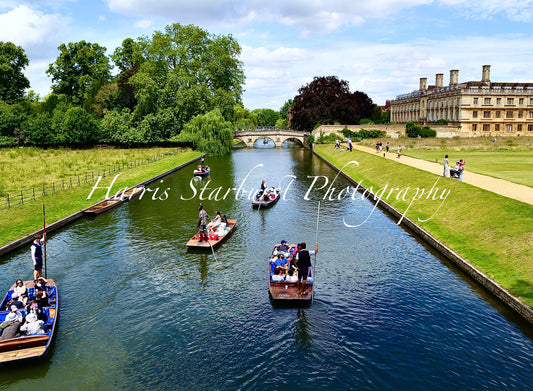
[(202, 224)]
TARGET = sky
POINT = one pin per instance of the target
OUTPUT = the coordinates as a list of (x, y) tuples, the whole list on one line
[(381, 47)]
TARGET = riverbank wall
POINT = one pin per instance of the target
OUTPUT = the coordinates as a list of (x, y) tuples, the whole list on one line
[(79, 214), (482, 279)]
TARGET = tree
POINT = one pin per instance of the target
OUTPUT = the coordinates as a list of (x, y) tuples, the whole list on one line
[(327, 100), (77, 68), (284, 110), (12, 81), (188, 67), (11, 118), (209, 133), (77, 128), (266, 117), (244, 118)]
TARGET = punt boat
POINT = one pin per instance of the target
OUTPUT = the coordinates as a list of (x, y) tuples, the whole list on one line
[(271, 199), (30, 346), (131, 193), (214, 238), (283, 289), (103, 206)]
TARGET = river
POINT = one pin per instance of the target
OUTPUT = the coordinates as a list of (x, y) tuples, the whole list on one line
[(139, 310)]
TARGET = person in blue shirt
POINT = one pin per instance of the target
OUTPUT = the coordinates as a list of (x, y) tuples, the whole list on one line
[(281, 263)]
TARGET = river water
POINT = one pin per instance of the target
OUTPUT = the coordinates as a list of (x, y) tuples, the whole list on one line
[(138, 310)]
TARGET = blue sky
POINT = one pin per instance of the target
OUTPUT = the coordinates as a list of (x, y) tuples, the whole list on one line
[(381, 47)]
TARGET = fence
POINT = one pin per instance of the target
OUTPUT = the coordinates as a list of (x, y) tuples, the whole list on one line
[(27, 195)]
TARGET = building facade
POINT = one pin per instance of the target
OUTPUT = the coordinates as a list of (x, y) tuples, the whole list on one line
[(476, 107)]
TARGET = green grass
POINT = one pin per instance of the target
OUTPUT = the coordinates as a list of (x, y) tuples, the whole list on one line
[(493, 232), (27, 218), (514, 166)]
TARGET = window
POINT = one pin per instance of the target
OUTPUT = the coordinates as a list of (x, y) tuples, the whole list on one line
[(519, 127), (474, 127), (530, 128), (497, 114), (486, 127), (508, 127), (475, 101), (486, 101), (508, 114), (510, 101), (497, 127), (486, 114), (521, 101), (520, 114), (458, 101), (498, 101), (530, 114), (531, 101)]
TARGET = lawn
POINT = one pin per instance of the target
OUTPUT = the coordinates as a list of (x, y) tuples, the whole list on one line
[(21, 220), (493, 232)]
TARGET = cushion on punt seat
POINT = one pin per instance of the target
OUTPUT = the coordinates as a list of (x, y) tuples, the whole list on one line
[(31, 293)]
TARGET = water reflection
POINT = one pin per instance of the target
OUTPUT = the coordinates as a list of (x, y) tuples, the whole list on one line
[(300, 330)]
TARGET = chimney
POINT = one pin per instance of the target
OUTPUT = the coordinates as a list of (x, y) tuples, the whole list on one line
[(486, 74), (454, 77), (438, 80), (423, 83)]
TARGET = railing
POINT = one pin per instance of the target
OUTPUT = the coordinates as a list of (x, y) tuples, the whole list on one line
[(259, 128), (27, 195)]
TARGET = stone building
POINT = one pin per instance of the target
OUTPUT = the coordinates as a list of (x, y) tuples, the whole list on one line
[(476, 107)]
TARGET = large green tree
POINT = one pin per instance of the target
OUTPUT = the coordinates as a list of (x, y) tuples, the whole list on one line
[(328, 100), (13, 60), (187, 69), (78, 67), (266, 117)]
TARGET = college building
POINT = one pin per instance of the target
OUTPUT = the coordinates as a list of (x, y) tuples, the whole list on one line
[(481, 108)]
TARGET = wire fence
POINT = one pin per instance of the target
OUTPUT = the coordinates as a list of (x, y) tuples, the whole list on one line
[(27, 195)]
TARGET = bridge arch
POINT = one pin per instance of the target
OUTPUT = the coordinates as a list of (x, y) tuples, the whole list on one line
[(277, 135)]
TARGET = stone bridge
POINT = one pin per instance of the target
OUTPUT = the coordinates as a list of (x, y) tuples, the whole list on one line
[(277, 135)]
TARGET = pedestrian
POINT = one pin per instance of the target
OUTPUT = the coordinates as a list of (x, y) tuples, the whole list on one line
[(350, 145), (399, 151), (461, 169), (387, 147), (202, 224), (37, 255), (446, 165)]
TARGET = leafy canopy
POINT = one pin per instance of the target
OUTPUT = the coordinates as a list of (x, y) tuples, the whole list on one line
[(327, 100), (13, 60)]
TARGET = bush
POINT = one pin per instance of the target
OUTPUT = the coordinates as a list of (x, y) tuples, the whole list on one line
[(363, 133), (327, 139), (441, 121), (310, 140), (413, 130)]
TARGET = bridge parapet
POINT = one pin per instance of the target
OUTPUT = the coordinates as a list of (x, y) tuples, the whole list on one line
[(277, 135)]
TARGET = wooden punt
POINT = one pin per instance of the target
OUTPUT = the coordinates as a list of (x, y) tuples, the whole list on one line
[(131, 193), (285, 292), (202, 172), (214, 240), (31, 346), (103, 206), (260, 203)]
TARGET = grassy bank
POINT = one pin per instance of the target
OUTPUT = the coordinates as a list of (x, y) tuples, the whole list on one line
[(494, 233), (24, 219)]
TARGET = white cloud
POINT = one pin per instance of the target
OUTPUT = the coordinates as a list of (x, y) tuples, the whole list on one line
[(517, 10), (37, 33), (382, 70), (143, 24)]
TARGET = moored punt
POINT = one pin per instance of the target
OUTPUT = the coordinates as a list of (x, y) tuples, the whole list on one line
[(214, 239), (202, 172), (271, 200), (132, 192), (30, 346), (283, 290), (103, 206)]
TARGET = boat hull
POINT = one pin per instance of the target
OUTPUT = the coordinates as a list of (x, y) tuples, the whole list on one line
[(31, 346), (103, 206), (194, 243)]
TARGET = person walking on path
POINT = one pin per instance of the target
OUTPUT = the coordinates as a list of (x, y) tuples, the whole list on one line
[(37, 255), (446, 165), (350, 146), (399, 151), (387, 147)]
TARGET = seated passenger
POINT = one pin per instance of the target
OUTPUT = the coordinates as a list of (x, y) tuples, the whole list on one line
[(42, 299), (278, 276), (222, 227), (14, 314), (282, 248), (291, 276), (33, 325), (10, 329), (21, 290), (16, 302), (40, 286), (213, 225), (35, 308), (281, 263)]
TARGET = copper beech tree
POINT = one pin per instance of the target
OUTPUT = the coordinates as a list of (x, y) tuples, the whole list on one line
[(328, 100)]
